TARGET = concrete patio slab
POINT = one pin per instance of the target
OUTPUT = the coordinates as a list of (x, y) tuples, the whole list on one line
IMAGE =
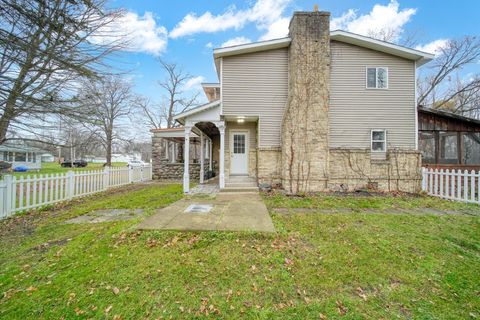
[(230, 212)]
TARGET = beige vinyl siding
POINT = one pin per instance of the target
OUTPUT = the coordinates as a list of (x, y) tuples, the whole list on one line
[(356, 110), (251, 127), (256, 84)]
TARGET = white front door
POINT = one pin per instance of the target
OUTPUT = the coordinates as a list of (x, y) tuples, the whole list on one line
[(238, 153)]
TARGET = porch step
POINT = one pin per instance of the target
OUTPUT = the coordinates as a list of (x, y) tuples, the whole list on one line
[(239, 190), (240, 184)]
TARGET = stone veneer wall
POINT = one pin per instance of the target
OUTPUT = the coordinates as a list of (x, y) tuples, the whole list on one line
[(165, 170), (269, 166), (304, 165), (353, 169)]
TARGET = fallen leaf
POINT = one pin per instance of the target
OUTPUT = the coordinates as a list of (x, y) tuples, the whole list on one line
[(116, 291), (361, 294), (79, 311), (342, 309), (107, 310)]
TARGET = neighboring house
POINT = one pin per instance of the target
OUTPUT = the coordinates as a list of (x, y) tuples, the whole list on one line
[(319, 110), (95, 159), (448, 141), (21, 155), (47, 157), (119, 157)]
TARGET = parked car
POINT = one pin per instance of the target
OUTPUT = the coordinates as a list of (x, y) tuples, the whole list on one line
[(76, 163), (20, 169), (136, 163)]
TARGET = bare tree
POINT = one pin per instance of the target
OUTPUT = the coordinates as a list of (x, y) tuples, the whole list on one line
[(46, 47), (106, 103), (152, 114), (173, 84), (438, 90)]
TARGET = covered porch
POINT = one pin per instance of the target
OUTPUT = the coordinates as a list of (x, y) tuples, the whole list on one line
[(215, 147)]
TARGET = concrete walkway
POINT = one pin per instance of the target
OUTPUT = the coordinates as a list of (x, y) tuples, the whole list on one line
[(229, 212)]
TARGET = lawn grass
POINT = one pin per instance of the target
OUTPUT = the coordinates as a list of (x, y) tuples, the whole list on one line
[(361, 201), (53, 168), (346, 265)]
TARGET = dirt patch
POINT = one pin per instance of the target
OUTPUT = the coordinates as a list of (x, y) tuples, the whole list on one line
[(106, 215), (47, 245)]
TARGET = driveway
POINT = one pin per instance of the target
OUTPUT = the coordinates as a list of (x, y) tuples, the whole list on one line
[(218, 212)]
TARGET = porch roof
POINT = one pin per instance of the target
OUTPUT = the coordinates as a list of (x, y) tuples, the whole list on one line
[(174, 134), (209, 112)]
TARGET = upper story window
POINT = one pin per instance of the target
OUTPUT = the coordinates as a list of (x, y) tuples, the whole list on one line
[(379, 140), (377, 78)]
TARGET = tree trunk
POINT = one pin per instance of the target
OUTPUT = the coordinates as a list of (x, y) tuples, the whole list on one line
[(109, 149), (6, 117)]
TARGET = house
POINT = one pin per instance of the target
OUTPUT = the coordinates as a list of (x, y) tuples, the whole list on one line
[(122, 157), (95, 159), (447, 140), (47, 157), (21, 155), (319, 110)]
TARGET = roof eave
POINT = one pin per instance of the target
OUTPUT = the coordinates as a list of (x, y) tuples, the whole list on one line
[(382, 46), (179, 117), (251, 47)]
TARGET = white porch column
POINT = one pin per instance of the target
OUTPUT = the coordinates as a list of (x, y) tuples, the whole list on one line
[(172, 152), (186, 160), (221, 128), (210, 147), (202, 156), (165, 142)]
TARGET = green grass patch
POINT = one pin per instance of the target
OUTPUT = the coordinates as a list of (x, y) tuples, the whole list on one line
[(362, 201), (349, 266), (54, 168)]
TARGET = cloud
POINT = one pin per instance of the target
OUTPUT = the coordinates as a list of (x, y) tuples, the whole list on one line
[(433, 47), (384, 20), (194, 83), (278, 29), (209, 45), (141, 33), (235, 42), (266, 15)]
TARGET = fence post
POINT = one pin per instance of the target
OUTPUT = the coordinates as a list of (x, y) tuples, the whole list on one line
[(424, 179), (9, 195), (3, 188), (106, 177), (150, 170), (130, 174), (70, 184)]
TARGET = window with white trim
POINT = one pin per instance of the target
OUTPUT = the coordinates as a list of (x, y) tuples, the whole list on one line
[(379, 140), (377, 78)]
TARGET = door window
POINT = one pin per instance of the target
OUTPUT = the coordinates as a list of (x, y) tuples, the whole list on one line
[(239, 143)]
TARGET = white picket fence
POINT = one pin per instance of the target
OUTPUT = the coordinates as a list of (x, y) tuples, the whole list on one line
[(24, 193), (454, 185)]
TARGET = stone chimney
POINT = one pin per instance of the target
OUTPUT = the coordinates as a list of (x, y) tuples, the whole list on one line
[(306, 124)]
